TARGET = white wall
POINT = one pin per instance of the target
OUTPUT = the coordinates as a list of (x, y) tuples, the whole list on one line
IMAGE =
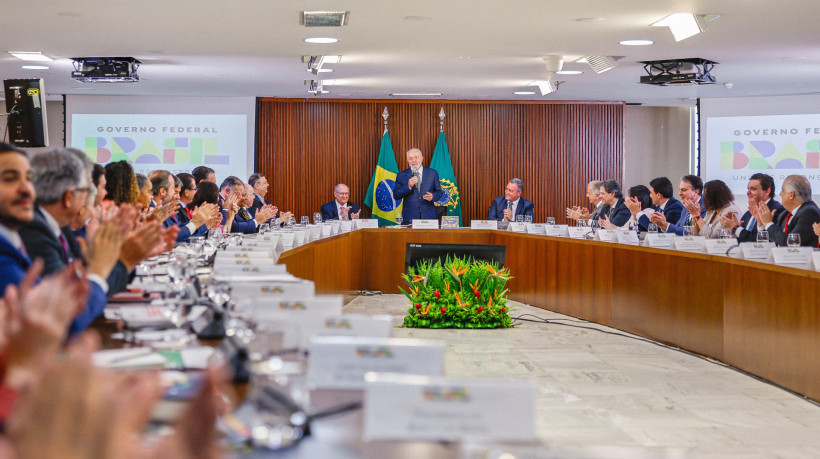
[(656, 144)]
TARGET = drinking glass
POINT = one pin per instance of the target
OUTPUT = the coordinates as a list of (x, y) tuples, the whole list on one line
[(581, 223), (399, 219), (528, 218), (762, 236), (550, 220), (519, 218), (793, 240), (652, 228), (317, 217), (305, 220), (723, 233), (687, 230)]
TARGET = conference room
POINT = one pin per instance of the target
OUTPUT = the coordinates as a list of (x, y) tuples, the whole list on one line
[(623, 343)]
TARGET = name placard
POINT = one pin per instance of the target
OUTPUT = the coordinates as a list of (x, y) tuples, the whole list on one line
[(363, 223), (220, 261), (402, 407), (327, 229), (719, 246), (264, 290), (449, 222), (517, 227), (346, 226), (690, 243), (287, 238), (285, 307), (536, 228), (815, 256), (334, 227), (756, 250), (425, 224), (239, 251), (341, 362), (484, 224), (302, 327), (627, 237), (791, 255), (606, 235), (578, 232), (300, 237), (659, 240), (556, 230), (228, 269), (315, 232)]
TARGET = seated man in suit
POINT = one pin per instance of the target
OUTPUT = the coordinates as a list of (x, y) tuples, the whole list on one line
[(418, 187), (506, 208), (61, 187), (615, 211), (340, 208), (203, 174), (801, 213), (164, 190), (243, 222), (691, 187), (660, 191), (594, 197), (760, 189), (259, 184)]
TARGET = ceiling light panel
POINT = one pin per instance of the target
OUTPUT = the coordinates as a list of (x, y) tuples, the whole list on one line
[(32, 56), (324, 18), (682, 25)]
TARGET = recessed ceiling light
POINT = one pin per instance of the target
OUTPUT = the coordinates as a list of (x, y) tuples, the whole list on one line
[(524, 93), (591, 20), (636, 42), (569, 72), (34, 67), (34, 56), (321, 40)]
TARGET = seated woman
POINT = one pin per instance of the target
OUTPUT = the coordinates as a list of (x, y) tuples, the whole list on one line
[(717, 198), (640, 194), (208, 192), (120, 184)]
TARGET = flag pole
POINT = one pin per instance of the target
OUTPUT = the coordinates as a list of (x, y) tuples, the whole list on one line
[(385, 115)]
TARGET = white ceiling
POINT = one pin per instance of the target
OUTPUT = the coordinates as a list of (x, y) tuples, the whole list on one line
[(465, 49)]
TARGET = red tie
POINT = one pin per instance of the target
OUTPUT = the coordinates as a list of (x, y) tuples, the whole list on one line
[(64, 243), (786, 226)]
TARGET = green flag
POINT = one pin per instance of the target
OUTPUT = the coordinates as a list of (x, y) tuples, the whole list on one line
[(380, 190), (441, 163)]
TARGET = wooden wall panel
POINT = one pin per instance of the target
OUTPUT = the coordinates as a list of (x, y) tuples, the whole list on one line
[(307, 146)]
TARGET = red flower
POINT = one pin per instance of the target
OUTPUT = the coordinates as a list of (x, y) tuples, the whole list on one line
[(443, 309), (503, 310), (418, 305), (438, 295), (480, 308)]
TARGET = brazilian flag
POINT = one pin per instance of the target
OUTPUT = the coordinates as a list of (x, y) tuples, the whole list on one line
[(380, 190), (441, 163)]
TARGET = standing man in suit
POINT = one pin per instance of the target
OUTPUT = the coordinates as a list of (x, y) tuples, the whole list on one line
[(760, 189), (691, 188), (506, 208), (259, 184), (800, 215), (616, 211), (660, 191), (340, 208), (418, 187)]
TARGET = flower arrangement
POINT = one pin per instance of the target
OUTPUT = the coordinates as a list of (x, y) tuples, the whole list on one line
[(460, 293)]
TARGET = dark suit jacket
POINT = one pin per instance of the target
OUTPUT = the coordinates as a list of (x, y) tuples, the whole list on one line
[(119, 277), (13, 264), (257, 204), (329, 211), (496, 211), (182, 214), (751, 236), (684, 220), (596, 212), (240, 225), (619, 214), (414, 205), (800, 223), (671, 211), (41, 242)]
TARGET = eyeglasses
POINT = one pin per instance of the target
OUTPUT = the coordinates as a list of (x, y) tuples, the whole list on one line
[(343, 194), (86, 189)]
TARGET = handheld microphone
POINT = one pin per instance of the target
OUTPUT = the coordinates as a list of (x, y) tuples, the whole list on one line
[(418, 177)]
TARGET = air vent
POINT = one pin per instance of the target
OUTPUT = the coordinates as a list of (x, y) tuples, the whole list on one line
[(324, 18), (600, 64)]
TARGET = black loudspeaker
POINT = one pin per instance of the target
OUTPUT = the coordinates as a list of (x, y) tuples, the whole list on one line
[(26, 107)]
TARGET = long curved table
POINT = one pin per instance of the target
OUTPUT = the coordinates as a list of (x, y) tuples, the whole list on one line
[(761, 318)]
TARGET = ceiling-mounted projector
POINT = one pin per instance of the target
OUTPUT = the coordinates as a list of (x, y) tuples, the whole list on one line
[(105, 69), (678, 72)]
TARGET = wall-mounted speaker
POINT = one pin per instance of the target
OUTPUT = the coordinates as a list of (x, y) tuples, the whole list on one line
[(26, 107)]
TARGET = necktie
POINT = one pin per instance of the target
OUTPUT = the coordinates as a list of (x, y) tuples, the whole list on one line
[(244, 214), (64, 243), (786, 226), (752, 223)]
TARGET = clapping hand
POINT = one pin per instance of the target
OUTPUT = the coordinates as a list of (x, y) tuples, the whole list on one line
[(729, 221), (343, 212), (764, 215), (816, 228), (692, 206), (356, 215), (633, 205), (507, 215), (659, 219)]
